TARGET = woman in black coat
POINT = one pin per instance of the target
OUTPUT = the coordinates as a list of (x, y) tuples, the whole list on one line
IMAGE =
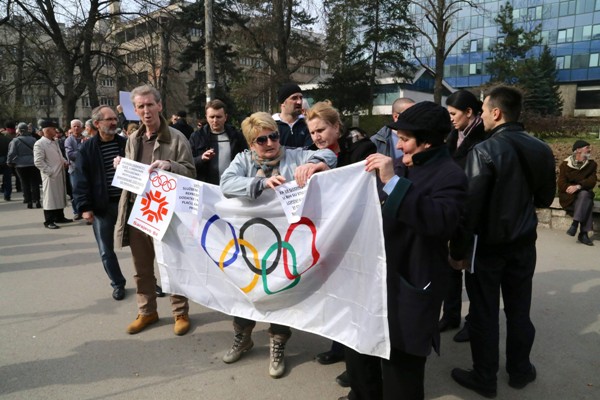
[(465, 110), (426, 194)]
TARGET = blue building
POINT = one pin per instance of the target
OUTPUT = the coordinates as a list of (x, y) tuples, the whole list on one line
[(571, 28)]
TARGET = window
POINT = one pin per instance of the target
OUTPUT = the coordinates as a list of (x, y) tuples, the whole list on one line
[(107, 82), (85, 102), (594, 60), (565, 35), (563, 62), (475, 69), (473, 47), (195, 32), (46, 101), (567, 8), (534, 13), (107, 101), (28, 100), (580, 61)]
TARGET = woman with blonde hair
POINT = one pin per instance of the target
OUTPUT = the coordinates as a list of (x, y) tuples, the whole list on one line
[(266, 165)]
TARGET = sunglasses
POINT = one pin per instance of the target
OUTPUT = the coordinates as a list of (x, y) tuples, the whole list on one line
[(262, 140)]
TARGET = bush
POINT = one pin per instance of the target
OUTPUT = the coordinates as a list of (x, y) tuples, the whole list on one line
[(554, 127)]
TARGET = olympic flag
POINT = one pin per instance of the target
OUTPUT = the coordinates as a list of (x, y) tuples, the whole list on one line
[(324, 274)]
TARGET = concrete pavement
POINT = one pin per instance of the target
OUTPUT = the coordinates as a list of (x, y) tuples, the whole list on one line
[(62, 336)]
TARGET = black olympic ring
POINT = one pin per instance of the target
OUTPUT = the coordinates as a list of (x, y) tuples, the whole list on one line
[(159, 180), (269, 225)]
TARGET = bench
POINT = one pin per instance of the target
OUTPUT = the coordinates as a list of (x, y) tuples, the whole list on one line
[(555, 217)]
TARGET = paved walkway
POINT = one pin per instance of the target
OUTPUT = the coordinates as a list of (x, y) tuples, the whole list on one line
[(62, 336)]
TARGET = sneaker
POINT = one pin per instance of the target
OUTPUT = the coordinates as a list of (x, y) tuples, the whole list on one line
[(182, 324), (242, 342), (277, 363), (141, 322)]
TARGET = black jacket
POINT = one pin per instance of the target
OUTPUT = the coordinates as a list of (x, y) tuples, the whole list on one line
[(460, 154), (184, 128), (510, 174), (91, 191), (297, 136), (419, 217), (200, 141)]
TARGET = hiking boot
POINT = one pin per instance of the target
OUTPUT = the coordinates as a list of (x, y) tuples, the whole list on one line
[(277, 364), (182, 324), (141, 322), (242, 342)]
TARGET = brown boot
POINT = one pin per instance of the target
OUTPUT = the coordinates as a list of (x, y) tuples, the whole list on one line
[(182, 324), (277, 363), (141, 322), (242, 342)]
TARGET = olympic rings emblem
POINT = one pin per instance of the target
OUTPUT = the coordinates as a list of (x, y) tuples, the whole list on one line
[(162, 181), (259, 266)]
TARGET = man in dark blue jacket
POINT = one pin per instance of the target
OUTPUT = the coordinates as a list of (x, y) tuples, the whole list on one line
[(510, 174), (97, 200), (293, 131)]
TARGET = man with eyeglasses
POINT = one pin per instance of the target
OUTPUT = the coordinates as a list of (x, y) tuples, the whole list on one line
[(72, 146), (215, 144), (97, 200), (290, 121)]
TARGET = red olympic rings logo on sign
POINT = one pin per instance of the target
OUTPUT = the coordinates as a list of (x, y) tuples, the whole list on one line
[(165, 183)]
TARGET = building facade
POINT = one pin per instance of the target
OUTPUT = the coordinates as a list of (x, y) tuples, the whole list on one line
[(570, 28)]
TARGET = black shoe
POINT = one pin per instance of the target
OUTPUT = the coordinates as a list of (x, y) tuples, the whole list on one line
[(52, 225), (7, 199), (329, 357), (520, 381), (64, 220), (159, 292), (343, 379), (77, 217), (462, 335), (37, 205), (448, 323), (467, 378), (583, 238), (29, 205), (119, 293), (572, 230)]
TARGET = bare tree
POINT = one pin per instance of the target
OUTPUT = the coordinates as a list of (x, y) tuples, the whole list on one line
[(434, 27)]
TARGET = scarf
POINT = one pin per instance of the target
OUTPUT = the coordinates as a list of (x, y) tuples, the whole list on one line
[(462, 135), (267, 167), (573, 163)]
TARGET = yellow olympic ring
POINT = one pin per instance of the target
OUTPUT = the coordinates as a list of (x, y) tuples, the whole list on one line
[(241, 242)]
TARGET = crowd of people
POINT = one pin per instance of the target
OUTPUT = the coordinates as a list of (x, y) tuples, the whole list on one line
[(459, 186)]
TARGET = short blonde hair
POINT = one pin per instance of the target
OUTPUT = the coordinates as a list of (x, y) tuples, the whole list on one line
[(255, 124), (325, 112)]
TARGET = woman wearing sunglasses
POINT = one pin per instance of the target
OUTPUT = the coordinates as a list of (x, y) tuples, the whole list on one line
[(264, 166)]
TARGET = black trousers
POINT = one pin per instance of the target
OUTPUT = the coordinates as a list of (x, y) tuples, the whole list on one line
[(52, 216), (453, 298), (510, 270), (31, 181), (402, 377)]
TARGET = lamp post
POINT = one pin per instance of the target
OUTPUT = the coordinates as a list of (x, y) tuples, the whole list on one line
[(208, 51)]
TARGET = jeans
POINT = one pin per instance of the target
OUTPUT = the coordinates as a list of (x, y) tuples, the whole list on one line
[(6, 172), (71, 184), (104, 229)]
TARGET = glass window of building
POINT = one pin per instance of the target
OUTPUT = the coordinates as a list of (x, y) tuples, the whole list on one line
[(580, 61), (473, 48), (567, 8), (594, 60)]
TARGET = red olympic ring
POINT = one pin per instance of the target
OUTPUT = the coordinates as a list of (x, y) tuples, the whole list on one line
[(162, 181), (314, 251)]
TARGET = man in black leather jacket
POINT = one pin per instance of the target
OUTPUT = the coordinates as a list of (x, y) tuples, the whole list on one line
[(510, 174)]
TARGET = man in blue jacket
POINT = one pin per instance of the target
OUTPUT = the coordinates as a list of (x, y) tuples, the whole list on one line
[(97, 200)]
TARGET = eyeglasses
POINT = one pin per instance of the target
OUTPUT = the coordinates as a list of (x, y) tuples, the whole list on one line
[(109, 119), (262, 140)]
